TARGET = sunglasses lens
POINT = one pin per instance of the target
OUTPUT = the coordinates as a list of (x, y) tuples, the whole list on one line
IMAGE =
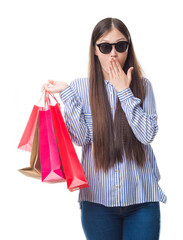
[(121, 46), (105, 48)]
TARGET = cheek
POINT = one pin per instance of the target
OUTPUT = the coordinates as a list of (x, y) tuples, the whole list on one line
[(104, 61)]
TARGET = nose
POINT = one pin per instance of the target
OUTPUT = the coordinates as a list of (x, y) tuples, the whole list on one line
[(113, 52)]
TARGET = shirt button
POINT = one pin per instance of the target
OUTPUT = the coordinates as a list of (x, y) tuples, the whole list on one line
[(116, 186), (111, 93), (115, 170), (125, 94)]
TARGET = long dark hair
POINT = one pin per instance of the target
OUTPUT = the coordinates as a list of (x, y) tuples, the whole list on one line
[(112, 139)]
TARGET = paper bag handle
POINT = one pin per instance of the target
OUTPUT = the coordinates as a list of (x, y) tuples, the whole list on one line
[(47, 101)]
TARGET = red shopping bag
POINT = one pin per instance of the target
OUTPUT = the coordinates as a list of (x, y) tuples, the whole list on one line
[(73, 170), (49, 155), (28, 134)]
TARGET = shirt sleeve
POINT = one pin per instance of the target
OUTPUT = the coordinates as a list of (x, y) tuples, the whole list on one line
[(74, 116), (143, 121)]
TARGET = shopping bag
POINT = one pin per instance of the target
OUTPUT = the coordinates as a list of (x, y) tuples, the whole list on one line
[(73, 170), (35, 169), (49, 155), (28, 134)]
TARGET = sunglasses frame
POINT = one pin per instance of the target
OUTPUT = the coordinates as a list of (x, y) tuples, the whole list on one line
[(111, 44)]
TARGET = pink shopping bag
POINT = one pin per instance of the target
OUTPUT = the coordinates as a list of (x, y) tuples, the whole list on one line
[(51, 169)]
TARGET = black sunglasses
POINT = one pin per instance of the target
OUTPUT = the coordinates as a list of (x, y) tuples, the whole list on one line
[(107, 47)]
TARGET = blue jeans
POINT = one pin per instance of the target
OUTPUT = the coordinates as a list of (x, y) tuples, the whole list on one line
[(134, 222)]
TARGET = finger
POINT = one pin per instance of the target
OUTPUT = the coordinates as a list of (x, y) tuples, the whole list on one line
[(120, 69), (115, 69), (50, 89), (129, 73), (118, 66), (52, 82), (110, 73), (43, 87), (49, 86), (112, 70)]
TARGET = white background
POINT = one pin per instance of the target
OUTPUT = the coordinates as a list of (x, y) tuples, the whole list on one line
[(41, 40)]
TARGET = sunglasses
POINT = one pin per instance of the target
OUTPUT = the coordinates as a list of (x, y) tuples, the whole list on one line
[(107, 47)]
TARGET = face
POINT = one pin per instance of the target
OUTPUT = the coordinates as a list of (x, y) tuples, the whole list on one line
[(113, 36)]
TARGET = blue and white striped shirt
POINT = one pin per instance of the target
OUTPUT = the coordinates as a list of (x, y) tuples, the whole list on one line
[(125, 183)]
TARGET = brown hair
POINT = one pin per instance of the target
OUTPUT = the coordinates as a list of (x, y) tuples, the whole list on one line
[(113, 138)]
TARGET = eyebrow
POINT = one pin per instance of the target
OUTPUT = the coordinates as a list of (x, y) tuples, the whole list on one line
[(116, 40)]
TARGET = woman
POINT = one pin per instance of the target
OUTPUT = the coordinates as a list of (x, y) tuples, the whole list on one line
[(112, 115)]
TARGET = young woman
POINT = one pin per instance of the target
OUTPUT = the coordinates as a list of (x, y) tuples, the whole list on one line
[(112, 115)]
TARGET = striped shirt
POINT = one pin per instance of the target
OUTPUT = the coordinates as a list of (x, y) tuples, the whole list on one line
[(125, 183)]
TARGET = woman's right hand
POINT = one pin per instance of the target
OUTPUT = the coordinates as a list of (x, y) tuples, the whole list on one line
[(54, 86)]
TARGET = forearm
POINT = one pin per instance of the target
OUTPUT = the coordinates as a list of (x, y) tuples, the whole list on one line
[(74, 117), (143, 124)]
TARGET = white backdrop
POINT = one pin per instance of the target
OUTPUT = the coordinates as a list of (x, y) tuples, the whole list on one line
[(41, 40)]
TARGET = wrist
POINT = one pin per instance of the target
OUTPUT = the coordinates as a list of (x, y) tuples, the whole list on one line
[(122, 88), (65, 86), (66, 94), (125, 94)]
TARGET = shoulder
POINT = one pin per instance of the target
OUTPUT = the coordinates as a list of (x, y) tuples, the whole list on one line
[(146, 82), (80, 82), (147, 86), (149, 101)]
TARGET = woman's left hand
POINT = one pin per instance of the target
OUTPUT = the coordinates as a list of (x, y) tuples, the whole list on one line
[(118, 78)]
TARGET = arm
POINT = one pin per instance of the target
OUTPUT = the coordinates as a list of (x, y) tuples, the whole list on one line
[(143, 122), (74, 116)]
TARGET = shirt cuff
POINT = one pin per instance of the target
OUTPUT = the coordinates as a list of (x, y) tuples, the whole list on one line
[(66, 94), (125, 94)]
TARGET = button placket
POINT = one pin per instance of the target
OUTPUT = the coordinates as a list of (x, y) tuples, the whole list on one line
[(111, 97), (116, 178)]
